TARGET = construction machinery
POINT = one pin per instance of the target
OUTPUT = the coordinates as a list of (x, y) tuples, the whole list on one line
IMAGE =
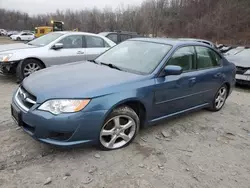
[(55, 26)]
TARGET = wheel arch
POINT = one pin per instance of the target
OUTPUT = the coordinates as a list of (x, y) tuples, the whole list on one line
[(35, 58), (227, 84), (134, 103)]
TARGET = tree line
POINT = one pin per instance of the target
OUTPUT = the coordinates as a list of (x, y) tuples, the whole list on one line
[(226, 21)]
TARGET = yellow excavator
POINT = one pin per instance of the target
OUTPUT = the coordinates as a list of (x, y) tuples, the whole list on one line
[(55, 26)]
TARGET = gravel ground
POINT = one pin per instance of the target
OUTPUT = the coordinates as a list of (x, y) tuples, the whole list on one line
[(202, 149)]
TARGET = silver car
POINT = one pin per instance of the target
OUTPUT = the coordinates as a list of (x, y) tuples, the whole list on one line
[(241, 59), (55, 48)]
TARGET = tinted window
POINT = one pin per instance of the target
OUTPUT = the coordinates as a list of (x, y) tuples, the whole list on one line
[(135, 56), (94, 42), (24, 34), (125, 37), (184, 57), (206, 58), (73, 41), (113, 37)]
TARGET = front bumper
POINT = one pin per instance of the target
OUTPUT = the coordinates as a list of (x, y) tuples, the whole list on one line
[(61, 130), (8, 67), (242, 79)]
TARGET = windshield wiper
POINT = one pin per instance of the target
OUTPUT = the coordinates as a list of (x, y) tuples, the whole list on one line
[(93, 61), (111, 66)]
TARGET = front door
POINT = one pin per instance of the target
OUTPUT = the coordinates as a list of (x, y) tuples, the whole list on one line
[(177, 93), (72, 51)]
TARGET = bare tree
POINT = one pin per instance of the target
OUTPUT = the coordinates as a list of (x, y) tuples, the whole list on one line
[(218, 20)]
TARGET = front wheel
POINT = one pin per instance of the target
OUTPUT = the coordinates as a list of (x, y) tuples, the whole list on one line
[(220, 98), (27, 67), (18, 39), (119, 129)]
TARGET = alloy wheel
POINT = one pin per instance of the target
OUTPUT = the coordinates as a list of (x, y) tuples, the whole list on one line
[(221, 98), (117, 132), (30, 68)]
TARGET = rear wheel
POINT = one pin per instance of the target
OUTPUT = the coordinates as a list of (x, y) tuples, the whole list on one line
[(220, 98), (27, 67), (119, 129)]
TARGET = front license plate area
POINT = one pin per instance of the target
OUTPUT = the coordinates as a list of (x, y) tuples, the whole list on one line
[(16, 114)]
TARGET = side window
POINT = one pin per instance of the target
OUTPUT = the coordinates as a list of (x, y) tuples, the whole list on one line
[(184, 57), (206, 58), (24, 34), (42, 31), (94, 42), (73, 41), (113, 37), (125, 37)]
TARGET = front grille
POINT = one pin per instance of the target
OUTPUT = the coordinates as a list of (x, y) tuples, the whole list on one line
[(24, 99), (241, 70)]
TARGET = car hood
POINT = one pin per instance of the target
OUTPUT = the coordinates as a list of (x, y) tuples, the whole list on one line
[(239, 61), (77, 80), (11, 47)]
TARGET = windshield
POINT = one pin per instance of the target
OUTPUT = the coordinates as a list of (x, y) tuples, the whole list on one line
[(135, 56), (45, 39)]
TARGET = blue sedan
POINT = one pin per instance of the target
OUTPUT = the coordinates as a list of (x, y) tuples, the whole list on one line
[(132, 85)]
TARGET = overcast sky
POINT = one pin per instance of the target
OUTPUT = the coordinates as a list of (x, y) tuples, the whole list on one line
[(41, 6)]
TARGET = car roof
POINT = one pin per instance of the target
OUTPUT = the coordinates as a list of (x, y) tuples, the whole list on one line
[(76, 32), (170, 41), (116, 32)]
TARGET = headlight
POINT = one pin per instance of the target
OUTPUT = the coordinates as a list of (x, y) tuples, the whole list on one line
[(64, 106), (5, 57), (247, 72)]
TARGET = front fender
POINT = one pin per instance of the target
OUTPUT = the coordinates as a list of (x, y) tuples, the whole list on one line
[(111, 101)]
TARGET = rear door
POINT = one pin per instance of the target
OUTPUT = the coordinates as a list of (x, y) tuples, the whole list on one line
[(209, 71), (72, 51), (30, 36), (24, 36), (94, 46), (113, 37)]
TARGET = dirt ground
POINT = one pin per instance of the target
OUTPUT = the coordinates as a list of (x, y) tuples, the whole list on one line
[(202, 150)]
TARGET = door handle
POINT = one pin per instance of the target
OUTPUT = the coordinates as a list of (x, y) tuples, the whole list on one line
[(218, 75), (80, 52), (192, 81)]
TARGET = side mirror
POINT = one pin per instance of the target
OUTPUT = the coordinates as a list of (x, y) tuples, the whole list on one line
[(57, 46), (172, 70)]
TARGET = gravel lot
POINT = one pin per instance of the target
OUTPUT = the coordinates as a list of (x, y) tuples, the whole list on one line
[(202, 149)]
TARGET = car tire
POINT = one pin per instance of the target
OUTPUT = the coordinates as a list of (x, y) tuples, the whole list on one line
[(18, 39), (219, 99), (119, 129), (29, 64)]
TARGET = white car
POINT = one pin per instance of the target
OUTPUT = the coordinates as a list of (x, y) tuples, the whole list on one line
[(242, 63), (26, 36), (3, 32), (54, 48)]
